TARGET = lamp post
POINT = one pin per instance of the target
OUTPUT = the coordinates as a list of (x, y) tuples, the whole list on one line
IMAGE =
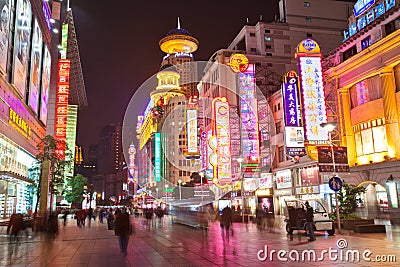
[(240, 160), (180, 192), (329, 127)]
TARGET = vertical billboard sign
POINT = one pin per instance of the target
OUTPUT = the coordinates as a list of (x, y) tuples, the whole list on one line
[(157, 157), (22, 44), (221, 131), (312, 89), (5, 8), (131, 166), (45, 87), (62, 93), (249, 118), (36, 59), (294, 134), (192, 130), (64, 41)]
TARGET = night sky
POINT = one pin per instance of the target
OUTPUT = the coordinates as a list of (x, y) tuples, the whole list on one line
[(118, 43)]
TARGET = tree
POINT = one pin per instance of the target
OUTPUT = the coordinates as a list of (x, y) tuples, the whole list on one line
[(48, 149), (349, 198), (75, 189)]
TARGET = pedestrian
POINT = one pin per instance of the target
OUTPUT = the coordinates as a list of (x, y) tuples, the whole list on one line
[(110, 219), (310, 221), (123, 229), (90, 215), (226, 222), (101, 215), (65, 215), (15, 225), (52, 226)]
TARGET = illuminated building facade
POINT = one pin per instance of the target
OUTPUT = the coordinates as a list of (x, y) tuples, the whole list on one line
[(161, 129), (23, 99), (364, 74)]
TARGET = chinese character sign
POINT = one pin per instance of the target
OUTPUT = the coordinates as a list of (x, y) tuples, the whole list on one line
[(157, 157), (191, 117), (314, 109), (62, 94), (290, 98), (249, 116), (222, 133)]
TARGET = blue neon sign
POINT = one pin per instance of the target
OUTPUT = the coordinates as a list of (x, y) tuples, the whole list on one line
[(361, 6)]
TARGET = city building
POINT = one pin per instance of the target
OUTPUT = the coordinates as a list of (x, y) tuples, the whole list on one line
[(270, 48), (364, 74), (161, 129), (25, 67)]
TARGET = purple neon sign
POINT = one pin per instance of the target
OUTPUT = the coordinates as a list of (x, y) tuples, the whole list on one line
[(290, 98)]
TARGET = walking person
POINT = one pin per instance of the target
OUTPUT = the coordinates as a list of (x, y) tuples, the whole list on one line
[(310, 221), (15, 225), (226, 222), (123, 229)]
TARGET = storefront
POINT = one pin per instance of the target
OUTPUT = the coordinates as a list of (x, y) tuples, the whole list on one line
[(16, 189)]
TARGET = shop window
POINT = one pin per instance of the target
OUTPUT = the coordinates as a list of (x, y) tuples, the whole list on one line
[(349, 53), (370, 139), (366, 42)]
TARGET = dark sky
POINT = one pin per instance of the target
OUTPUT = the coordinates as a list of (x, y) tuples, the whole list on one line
[(118, 43)]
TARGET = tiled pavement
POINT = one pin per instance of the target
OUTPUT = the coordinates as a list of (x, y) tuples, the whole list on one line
[(177, 245)]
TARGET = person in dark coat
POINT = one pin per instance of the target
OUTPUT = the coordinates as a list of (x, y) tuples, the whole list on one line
[(123, 229), (15, 225), (226, 222), (52, 226), (310, 221)]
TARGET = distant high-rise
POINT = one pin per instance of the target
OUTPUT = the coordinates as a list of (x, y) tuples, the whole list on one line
[(110, 158)]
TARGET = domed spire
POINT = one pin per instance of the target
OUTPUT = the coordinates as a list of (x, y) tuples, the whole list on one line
[(178, 40)]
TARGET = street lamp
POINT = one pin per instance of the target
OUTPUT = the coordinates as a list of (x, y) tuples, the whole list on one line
[(329, 127), (180, 192), (240, 160)]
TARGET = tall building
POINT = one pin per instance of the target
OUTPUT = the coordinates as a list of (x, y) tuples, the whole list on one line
[(110, 158), (161, 132), (363, 74), (270, 48), (25, 73)]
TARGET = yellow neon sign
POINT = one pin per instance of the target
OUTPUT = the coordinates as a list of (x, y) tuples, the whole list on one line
[(19, 124)]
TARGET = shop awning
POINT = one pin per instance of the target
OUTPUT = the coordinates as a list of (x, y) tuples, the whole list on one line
[(12, 175)]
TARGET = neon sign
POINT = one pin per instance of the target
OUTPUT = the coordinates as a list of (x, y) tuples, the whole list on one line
[(157, 157), (371, 15), (238, 63), (192, 130), (361, 6), (290, 98), (249, 118), (62, 94), (19, 124), (221, 132)]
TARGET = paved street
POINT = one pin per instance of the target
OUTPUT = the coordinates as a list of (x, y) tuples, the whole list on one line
[(170, 244)]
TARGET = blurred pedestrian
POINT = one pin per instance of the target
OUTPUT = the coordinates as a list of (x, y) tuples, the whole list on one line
[(52, 226), (110, 219), (15, 225), (226, 222), (310, 221), (101, 215), (65, 216), (123, 229)]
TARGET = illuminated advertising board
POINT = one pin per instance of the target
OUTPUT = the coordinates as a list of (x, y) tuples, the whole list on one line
[(249, 117), (64, 41), (44, 94), (36, 68), (149, 106), (21, 44), (291, 99), (312, 91), (221, 131), (131, 166), (210, 151), (283, 179), (310, 175), (238, 63), (157, 157), (314, 108), (47, 13), (371, 10), (62, 93), (192, 130), (5, 7)]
